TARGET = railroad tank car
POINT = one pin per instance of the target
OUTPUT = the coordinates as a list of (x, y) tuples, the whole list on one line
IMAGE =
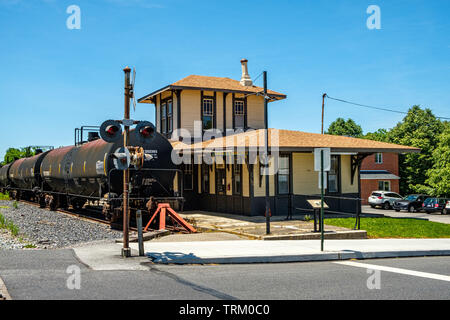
[(85, 169), (4, 179), (72, 175), (87, 172), (29, 176), (14, 174)]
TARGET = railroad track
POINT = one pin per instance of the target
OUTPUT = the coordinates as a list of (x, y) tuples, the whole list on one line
[(84, 216)]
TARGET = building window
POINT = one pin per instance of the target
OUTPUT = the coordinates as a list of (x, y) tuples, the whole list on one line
[(378, 158), (208, 113), (384, 185), (333, 175), (205, 178), (283, 175), (169, 116), (163, 117), (221, 177), (188, 177), (166, 116), (237, 181), (239, 114)]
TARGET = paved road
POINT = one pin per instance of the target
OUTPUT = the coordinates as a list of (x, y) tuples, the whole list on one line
[(42, 275), (435, 217)]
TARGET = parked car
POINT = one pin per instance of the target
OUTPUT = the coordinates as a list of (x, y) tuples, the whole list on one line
[(385, 199), (411, 203), (434, 205), (447, 208)]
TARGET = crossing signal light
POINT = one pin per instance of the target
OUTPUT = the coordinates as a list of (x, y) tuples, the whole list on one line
[(111, 131), (144, 132)]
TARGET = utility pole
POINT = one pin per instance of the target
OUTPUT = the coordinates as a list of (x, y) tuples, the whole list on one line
[(266, 152), (126, 251), (323, 108), (321, 200)]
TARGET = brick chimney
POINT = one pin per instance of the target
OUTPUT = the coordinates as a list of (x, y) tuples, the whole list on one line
[(245, 80)]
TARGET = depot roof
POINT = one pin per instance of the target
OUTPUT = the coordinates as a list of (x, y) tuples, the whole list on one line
[(290, 140), (195, 82)]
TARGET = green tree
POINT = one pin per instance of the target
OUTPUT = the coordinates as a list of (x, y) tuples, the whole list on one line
[(421, 129), (379, 135), (439, 175), (340, 127), (14, 154)]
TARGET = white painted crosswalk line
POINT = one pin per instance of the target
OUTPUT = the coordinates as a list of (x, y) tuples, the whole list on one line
[(395, 270)]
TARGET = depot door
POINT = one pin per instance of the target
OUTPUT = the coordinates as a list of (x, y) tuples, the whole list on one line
[(221, 189)]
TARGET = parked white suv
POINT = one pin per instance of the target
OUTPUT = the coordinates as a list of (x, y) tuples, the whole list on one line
[(384, 199)]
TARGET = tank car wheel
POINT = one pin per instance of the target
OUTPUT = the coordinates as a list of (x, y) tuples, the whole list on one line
[(41, 200), (51, 202), (53, 205)]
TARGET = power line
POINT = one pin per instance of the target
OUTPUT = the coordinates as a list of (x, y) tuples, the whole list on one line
[(258, 77), (373, 107)]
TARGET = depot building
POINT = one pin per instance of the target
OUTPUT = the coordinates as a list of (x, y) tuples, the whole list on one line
[(219, 125)]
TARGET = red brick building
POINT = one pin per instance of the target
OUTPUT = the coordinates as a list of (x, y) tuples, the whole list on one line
[(379, 172)]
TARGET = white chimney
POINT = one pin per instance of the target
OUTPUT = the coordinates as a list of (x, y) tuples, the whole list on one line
[(245, 80)]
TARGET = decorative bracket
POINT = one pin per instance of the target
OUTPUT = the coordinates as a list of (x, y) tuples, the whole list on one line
[(356, 161)]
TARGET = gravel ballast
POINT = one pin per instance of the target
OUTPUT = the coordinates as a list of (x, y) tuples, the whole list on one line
[(47, 229)]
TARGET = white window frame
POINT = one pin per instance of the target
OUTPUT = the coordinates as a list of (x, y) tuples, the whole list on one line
[(379, 158), (208, 111), (169, 109), (384, 184), (163, 126), (239, 112)]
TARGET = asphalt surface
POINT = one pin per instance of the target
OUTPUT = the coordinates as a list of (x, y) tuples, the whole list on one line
[(434, 216), (41, 274)]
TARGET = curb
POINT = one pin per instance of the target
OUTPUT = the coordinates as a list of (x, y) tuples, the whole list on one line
[(331, 256), (351, 234)]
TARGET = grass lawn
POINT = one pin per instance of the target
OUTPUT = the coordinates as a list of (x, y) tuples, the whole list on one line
[(4, 196), (395, 228)]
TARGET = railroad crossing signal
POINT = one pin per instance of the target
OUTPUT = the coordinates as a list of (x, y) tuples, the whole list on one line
[(144, 131), (111, 131), (121, 158)]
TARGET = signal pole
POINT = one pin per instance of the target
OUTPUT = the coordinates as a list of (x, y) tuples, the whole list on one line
[(323, 108), (126, 251), (266, 151)]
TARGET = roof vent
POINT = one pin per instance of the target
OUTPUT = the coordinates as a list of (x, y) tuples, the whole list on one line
[(245, 80)]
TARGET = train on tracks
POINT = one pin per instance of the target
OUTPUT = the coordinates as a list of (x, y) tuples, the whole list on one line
[(85, 173)]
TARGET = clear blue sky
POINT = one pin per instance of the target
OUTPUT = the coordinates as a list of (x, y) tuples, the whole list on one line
[(54, 79)]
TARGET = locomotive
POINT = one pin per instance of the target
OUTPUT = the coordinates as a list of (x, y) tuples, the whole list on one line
[(87, 174)]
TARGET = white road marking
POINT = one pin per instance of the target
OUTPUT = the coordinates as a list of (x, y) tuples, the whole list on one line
[(396, 270)]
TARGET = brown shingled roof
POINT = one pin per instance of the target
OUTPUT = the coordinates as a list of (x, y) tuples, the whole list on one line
[(290, 140), (195, 82)]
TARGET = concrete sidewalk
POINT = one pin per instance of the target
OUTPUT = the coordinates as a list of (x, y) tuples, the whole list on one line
[(254, 227), (107, 256)]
